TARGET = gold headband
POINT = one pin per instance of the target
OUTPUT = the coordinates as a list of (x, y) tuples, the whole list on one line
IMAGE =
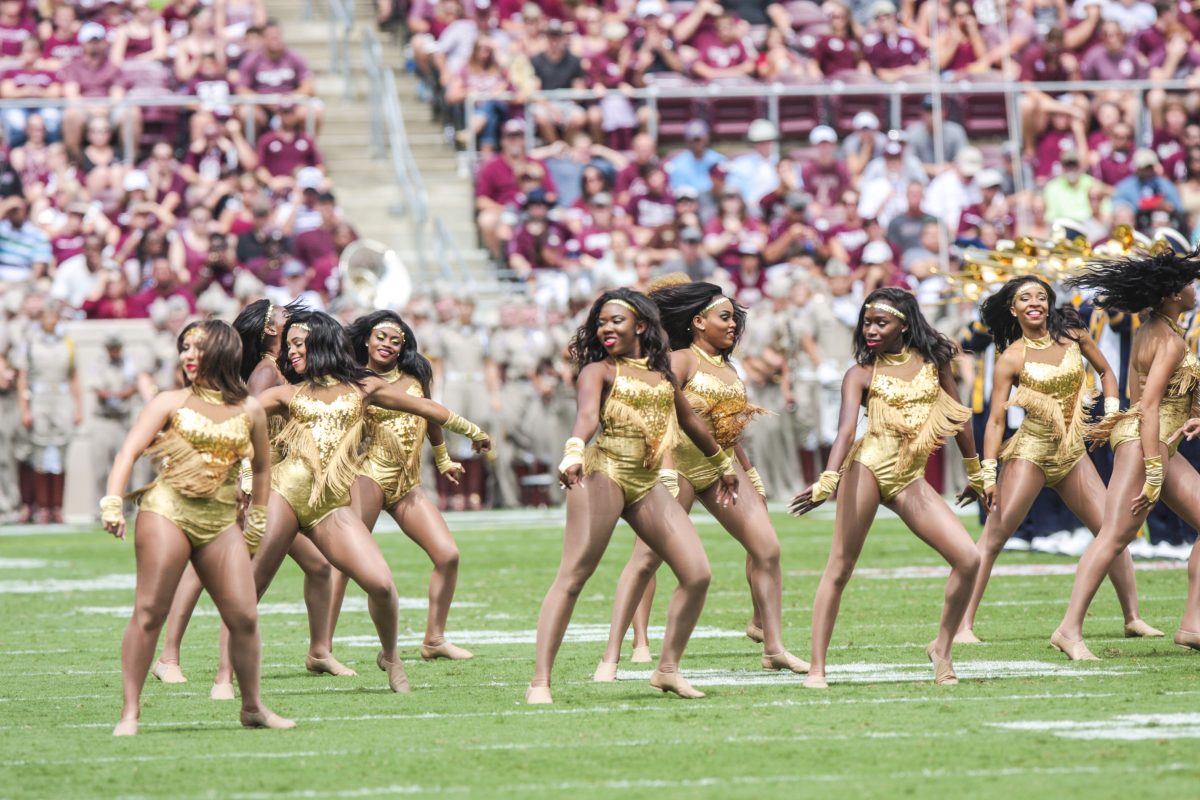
[(301, 326), (625, 303), (895, 312), (716, 301), (267, 319), (197, 334), (387, 323)]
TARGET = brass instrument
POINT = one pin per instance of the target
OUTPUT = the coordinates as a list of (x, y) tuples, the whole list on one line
[(373, 276)]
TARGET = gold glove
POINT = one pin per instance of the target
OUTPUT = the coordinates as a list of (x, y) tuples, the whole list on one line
[(721, 462), (1154, 478), (255, 526), (246, 477), (1112, 405), (670, 479), (112, 509), (457, 424), (826, 485), (442, 460), (757, 481), (572, 454), (975, 474), (988, 467)]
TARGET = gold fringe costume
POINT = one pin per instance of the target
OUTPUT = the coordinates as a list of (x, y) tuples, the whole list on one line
[(394, 456), (726, 410), (197, 460), (322, 448), (909, 416), (1056, 400), (638, 427), (1177, 406)]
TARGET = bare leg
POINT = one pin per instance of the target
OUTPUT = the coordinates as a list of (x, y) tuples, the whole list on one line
[(1181, 491), (858, 500), (186, 596), (1020, 483), (636, 585), (366, 500), (162, 552), (593, 508), (927, 515), (318, 595), (1119, 529), (641, 615), (420, 520)]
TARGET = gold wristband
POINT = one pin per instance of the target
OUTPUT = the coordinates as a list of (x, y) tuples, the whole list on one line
[(826, 485), (442, 460), (456, 424), (1111, 405), (112, 509), (670, 479), (721, 462), (255, 526), (757, 482), (989, 468), (974, 473), (1154, 478), (572, 454), (246, 477)]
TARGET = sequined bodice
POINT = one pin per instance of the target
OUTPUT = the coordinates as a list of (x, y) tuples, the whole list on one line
[(1061, 381), (652, 404), (218, 443), (408, 428), (1180, 386), (328, 421), (912, 397), (716, 394)]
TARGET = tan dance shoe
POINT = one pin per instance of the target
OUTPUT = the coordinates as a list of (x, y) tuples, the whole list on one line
[(269, 719), (397, 677), (1074, 650), (966, 636), (606, 672), (784, 661), (641, 655), (815, 681), (1187, 639), (221, 691), (168, 673), (754, 633), (328, 666), (432, 652), (674, 682), (126, 727), (1138, 629), (538, 696), (943, 669)]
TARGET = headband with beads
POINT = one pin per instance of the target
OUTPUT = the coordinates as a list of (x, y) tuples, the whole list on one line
[(716, 301), (619, 302), (267, 319), (387, 323), (889, 309)]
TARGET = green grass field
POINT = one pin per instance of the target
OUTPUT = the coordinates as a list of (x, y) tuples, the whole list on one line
[(1022, 722)]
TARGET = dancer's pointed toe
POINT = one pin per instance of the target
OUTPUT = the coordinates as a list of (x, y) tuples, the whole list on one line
[(1140, 629), (641, 655), (674, 682), (397, 677), (168, 673), (328, 666), (606, 672), (1073, 649), (538, 696), (784, 661)]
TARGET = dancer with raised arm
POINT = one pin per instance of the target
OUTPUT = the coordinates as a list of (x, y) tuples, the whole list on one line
[(1163, 380), (1042, 349), (904, 378), (196, 437), (703, 327), (627, 390)]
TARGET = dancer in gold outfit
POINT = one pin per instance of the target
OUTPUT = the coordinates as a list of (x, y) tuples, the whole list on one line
[(197, 437), (260, 326), (626, 388), (1163, 380), (904, 376), (1042, 351), (703, 327), (387, 346), (325, 403)]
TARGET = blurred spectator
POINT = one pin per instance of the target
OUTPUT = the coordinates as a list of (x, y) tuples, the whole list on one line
[(558, 68), (24, 247), (825, 178), (282, 152), (904, 231), (891, 51), (864, 143), (115, 383), (838, 53), (1114, 58), (1070, 196), (164, 284), (749, 279), (754, 174), (32, 79), (568, 159), (538, 242), (78, 274), (721, 50), (919, 135), (761, 12), (645, 152), (1146, 190), (692, 167), (613, 118), (960, 49), (778, 61), (886, 179), (691, 258), (656, 53), (1065, 133), (318, 248), (110, 298), (483, 77), (276, 69), (143, 37), (955, 189), (295, 287), (189, 247), (732, 227), (215, 157), (1168, 135), (202, 40), (792, 234), (498, 184), (92, 75), (60, 36), (16, 28), (1116, 161), (1133, 16)]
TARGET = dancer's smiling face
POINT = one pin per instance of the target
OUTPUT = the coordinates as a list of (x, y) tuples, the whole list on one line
[(716, 327), (883, 331), (384, 345), (297, 349), (1031, 306), (619, 329), (191, 351)]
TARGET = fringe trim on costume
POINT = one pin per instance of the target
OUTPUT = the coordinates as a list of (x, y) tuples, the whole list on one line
[(946, 418), (728, 419), (1045, 409), (1185, 380), (621, 414), (344, 466), (184, 468), (1101, 430), (384, 445)]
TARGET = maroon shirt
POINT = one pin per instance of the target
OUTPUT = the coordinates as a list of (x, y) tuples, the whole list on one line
[(283, 157), (1171, 153), (1036, 65), (133, 307), (593, 241), (11, 37), (1100, 65), (94, 80), (603, 70), (1114, 167), (721, 55), (152, 293), (265, 76), (497, 181), (64, 247), (41, 79), (648, 210), (835, 54), (533, 248), (899, 51), (315, 249), (851, 237), (1049, 152), (825, 182), (62, 50)]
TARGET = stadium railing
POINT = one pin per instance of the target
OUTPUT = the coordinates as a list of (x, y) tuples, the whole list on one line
[(341, 24)]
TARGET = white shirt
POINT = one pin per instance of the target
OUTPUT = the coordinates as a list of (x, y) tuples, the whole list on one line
[(1132, 18), (947, 196), (754, 176), (73, 281)]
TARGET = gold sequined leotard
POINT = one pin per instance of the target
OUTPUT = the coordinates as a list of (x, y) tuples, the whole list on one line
[(394, 457), (321, 445), (1174, 410), (638, 426), (724, 407), (909, 415), (197, 460), (1055, 400)]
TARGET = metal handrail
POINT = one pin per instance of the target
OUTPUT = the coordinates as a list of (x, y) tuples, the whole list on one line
[(341, 23)]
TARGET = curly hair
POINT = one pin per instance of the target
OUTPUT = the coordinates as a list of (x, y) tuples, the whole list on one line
[(996, 314), (327, 351), (920, 336), (585, 347), (409, 361), (678, 305), (220, 358), (1137, 284)]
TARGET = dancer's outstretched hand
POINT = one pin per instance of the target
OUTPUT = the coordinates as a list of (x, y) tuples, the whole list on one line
[(1189, 430), (482, 445), (572, 477), (117, 529), (454, 472), (804, 503), (989, 500), (727, 487), (1141, 503), (966, 497)]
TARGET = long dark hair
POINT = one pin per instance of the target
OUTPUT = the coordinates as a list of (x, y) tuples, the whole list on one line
[(678, 305), (409, 361), (251, 325), (328, 351), (996, 313), (920, 336), (220, 358), (1136, 284), (585, 347)]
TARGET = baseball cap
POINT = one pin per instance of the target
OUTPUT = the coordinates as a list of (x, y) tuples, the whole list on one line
[(554, 27), (797, 201), (989, 178), (692, 235), (969, 161), (876, 253), (91, 32), (687, 193), (1069, 157), (894, 147), (881, 7), (513, 126), (748, 248), (614, 31), (649, 8), (762, 130), (865, 120), (836, 268), (114, 341), (136, 181), (293, 268), (696, 129), (309, 178), (1145, 157), (537, 197), (824, 134), (601, 199)]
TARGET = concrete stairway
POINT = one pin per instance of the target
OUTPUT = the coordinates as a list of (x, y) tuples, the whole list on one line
[(365, 186)]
